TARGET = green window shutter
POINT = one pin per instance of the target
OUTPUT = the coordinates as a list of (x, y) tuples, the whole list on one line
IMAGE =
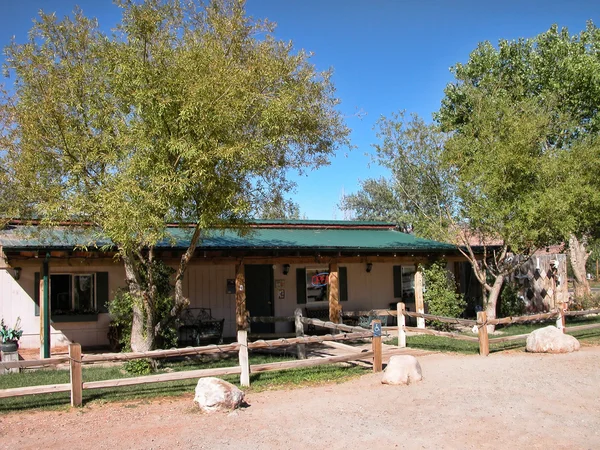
[(343, 274), (102, 291), (397, 281), (300, 286), (36, 293)]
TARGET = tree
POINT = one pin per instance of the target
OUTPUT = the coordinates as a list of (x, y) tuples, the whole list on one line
[(189, 111), (560, 73), (280, 208), (485, 188)]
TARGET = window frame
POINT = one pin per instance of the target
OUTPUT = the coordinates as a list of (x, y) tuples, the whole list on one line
[(72, 275)]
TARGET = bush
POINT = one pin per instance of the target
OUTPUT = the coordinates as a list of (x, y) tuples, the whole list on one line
[(138, 366), (584, 303), (440, 293), (511, 305)]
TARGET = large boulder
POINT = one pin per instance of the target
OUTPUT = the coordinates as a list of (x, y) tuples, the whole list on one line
[(402, 369), (551, 340), (214, 394)]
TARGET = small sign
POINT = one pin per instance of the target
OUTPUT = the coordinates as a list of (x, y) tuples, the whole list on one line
[(279, 284), (376, 329), (320, 279), (281, 294)]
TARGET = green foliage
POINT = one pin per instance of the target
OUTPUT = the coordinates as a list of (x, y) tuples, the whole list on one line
[(121, 308), (511, 305), (440, 294), (8, 334), (188, 112), (138, 366)]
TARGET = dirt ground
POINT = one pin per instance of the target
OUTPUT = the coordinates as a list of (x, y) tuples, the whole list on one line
[(507, 400)]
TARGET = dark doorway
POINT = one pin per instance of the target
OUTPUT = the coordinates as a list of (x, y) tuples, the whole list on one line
[(259, 295)]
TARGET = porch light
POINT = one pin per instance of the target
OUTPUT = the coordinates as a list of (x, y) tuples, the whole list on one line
[(286, 269), (369, 267), (17, 273)]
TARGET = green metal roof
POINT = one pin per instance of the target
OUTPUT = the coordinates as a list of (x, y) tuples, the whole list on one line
[(375, 239)]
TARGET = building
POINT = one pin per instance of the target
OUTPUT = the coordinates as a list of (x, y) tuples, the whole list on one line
[(280, 265)]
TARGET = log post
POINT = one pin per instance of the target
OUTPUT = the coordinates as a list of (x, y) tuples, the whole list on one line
[(242, 337), (377, 350), (45, 309), (301, 348), (484, 342), (241, 314), (560, 320), (400, 308), (76, 375), (335, 309), (419, 303)]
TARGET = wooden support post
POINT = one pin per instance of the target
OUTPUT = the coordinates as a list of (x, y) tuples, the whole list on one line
[(335, 308), (419, 303), (45, 309), (76, 375), (400, 308), (299, 333), (377, 350), (484, 342), (242, 337), (241, 313)]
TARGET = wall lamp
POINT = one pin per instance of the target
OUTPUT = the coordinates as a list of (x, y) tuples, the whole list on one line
[(17, 273), (286, 269), (369, 267)]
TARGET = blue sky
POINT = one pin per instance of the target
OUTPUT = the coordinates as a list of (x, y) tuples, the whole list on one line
[(387, 56)]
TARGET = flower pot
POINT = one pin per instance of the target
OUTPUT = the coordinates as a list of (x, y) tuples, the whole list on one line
[(10, 346)]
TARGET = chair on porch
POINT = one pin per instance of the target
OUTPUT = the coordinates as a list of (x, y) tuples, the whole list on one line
[(198, 328), (365, 321)]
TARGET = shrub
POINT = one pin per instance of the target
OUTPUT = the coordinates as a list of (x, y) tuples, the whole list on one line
[(585, 302), (138, 366), (511, 305), (440, 293)]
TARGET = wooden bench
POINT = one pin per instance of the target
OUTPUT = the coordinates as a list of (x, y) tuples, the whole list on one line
[(198, 327), (319, 312)]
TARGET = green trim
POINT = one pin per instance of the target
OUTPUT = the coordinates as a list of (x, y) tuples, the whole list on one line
[(397, 281), (301, 286), (46, 308), (36, 293), (102, 291), (343, 284)]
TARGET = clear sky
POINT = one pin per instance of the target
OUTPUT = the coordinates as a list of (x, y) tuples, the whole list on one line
[(387, 55)]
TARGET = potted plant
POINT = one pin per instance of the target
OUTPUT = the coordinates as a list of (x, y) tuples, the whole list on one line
[(10, 336)]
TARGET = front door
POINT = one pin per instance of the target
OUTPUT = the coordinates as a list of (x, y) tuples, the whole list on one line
[(259, 295)]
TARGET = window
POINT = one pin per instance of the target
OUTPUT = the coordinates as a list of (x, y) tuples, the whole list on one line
[(72, 293), (78, 293), (317, 281), (404, 283)]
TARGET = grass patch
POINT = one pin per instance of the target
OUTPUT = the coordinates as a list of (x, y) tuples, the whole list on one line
[(445, 344), (259, 382)]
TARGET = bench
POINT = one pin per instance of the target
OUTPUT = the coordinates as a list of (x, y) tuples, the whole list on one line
[(319, 313), (198, 327)]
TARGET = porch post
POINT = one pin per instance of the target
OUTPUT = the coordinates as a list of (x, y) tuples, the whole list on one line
[(45, 310), (419, 303), (335, 310), (241, 314)]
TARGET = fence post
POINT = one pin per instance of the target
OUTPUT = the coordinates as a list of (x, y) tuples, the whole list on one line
[(301, 348), (560, 320), (484, 342), (76, 376), (419, 302), (400, 308), (242, 338), (377, 353)]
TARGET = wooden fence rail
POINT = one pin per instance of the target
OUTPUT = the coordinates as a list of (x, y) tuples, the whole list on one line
[(76, 360), (482, 321)]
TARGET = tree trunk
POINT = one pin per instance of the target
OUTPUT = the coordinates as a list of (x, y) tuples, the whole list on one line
[(142, 326), (578, 257), (492, 301)]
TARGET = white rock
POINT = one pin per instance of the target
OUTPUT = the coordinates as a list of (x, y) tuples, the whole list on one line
[(402, 369), (214, 394), (551, 340)]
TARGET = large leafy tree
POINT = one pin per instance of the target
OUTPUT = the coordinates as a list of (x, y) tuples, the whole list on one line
[(560, 72), (484, 189), (189, 111)]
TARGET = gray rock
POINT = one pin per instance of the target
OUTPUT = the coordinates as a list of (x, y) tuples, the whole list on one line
[(402, 369), (551, 340), (214, 394)]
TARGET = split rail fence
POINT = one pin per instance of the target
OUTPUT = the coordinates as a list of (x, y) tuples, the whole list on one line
[(76, 359)]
